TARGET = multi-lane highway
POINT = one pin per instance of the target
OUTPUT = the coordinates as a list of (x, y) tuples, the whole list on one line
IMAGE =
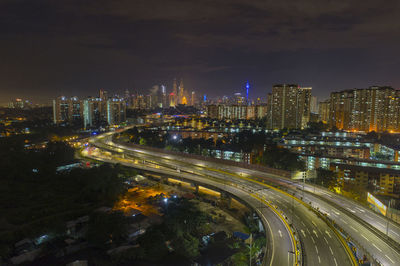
[(354, 218), (320, 244), (280, 244)]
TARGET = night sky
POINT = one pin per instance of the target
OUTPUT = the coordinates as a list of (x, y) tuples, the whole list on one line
[(75, 47)]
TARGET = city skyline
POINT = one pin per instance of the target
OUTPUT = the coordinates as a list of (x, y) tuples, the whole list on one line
[(48, 49)]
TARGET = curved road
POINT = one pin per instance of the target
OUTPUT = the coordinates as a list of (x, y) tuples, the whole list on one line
[(320, 244), (280, 243), (374, 244)]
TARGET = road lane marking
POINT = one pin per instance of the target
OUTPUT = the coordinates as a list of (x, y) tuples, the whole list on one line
[(315, 232), (354, 228), (326, 240), (365, 237), (361, 210), (312, 239), (381, 224), (313, 223), (331, 250), (394, 232), (343, 220), (377, 247), (280, 233), (304, 234), (303, 224), (328, 234), (316, 249), (389, 258), (395, 251), (335, 261), (319, 260)]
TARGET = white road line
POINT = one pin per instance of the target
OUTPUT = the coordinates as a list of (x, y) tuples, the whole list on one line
[(331, 250), (334, 259), (328, 233), (389, 258), (316, 249), (353, 228), (343, 220), (326, 240), (313, 223), (365, 237), (377, 247), (312, 239), (319, 260), (395, 251), (394, 232), (303, 224), (381, 224)]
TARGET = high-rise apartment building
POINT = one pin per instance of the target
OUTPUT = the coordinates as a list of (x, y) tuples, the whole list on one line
[(61, 110), (303, 107), (234, 111), (341, 106), (372, 109), (67, 109), (93, 114), (289, 106), (314, 105), (323, 111), (116, 111)]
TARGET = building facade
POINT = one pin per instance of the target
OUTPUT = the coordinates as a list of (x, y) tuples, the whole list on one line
[(289, 106), (372, 109), (67, 110)]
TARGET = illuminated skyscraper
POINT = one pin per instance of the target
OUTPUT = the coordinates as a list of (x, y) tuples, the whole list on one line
[(164, 98), (184, 100), (61, 110), (289, 106), (67, 110), (172, 98), (314, 105), (116, 111), (193, 99), (103, 95), (92, 112), (181, 92), (323, 111), (372, 109), (247, 86), (174, 93)]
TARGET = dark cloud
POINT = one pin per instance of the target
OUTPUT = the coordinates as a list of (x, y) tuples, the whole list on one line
[(50, 47)]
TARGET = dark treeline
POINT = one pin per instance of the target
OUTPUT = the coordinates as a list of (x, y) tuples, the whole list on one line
[(36, 199)]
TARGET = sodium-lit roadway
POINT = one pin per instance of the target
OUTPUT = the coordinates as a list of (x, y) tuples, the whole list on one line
[(320, 244)]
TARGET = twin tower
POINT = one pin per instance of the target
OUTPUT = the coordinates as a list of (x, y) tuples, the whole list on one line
[(178, 95)]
